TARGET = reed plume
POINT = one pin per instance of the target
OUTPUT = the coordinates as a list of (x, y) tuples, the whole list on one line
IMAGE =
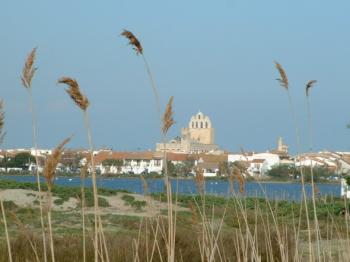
[(74, 92), (49, 174), (133, 41), (27, 77), (309, 85), (82, 102), (52, 162), (167, 122), (139, 50), (284, 79), (29, 69), (168, 119)]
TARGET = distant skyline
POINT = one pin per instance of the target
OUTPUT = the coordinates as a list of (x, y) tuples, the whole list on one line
[(213, 56)]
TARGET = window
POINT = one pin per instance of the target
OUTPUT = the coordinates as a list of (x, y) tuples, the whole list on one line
[(157, 162), (201, 124), (206, 124), (192, 124), (199, 116), (196, 124)]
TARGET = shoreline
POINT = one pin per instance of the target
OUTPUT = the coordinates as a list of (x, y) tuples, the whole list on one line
[(249, 180)]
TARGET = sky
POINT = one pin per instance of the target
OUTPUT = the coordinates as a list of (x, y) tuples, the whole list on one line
[(213, 56)]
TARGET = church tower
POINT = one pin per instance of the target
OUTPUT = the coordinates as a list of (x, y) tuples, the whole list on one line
[(199, 129)]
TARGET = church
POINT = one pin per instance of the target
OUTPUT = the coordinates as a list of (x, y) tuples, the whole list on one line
[(198, 137)]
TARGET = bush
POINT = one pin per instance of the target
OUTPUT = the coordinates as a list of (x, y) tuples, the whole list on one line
[(130, 200), (282, 172)]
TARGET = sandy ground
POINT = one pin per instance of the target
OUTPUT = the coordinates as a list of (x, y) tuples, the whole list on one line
[(30, 198)]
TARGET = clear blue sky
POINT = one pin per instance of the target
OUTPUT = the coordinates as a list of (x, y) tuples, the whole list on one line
[(213, 56)]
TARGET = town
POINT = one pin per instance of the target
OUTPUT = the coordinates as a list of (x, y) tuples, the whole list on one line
[(194, 149)]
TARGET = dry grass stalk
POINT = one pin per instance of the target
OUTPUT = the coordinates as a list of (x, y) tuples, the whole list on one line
[(74, 92), (144, 185), (139, 50), (237, 173), (284, 79), (83, 174), (200, 181), (52, 162), (309, 85), (168, 119), (26, 232), (29, 69), (2, 121), (284, 83), (133, 41), (83, 102), (49, 174), (231, 180), (6, 231), (27, 76)]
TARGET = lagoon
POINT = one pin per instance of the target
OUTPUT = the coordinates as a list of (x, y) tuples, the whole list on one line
[(273, 190)]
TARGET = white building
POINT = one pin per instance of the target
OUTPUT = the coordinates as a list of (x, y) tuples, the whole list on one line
[(259, 163), (345, 189)]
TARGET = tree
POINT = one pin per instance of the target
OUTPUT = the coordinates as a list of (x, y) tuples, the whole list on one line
[(171, 168), (224, 168), (319, 173), (282, 171), (21, 160), (184, 168), (113, 162), (71, 159)]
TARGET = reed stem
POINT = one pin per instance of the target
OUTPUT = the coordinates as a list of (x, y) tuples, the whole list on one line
[(31, 108), (6, 231), (94, 184)]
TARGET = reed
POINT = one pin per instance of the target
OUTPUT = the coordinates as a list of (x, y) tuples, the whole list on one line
[(136, 45), (49, 174), (2, 121), (2, 134), (83, 103), (284, 82), (167, 122), (27, 77), (308, 87), (83, 174)]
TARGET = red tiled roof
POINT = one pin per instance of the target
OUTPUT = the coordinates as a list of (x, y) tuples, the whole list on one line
[(258, 160)]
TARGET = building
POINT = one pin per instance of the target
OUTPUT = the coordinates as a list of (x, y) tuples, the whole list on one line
[(198, 137)]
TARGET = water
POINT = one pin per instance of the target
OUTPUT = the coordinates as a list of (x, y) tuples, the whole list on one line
[(286, 191)]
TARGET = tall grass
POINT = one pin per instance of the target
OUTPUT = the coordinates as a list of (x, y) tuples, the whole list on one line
[(2, 135), (284, 82), (166, 122), (27, 77), (308, 87), (49, 174), (83, 103)]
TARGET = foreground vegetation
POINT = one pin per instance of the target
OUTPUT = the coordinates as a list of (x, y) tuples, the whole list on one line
[(255, 227)]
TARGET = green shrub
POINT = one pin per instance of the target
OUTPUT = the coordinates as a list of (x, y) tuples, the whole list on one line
[(130, 200), (58, 201)]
